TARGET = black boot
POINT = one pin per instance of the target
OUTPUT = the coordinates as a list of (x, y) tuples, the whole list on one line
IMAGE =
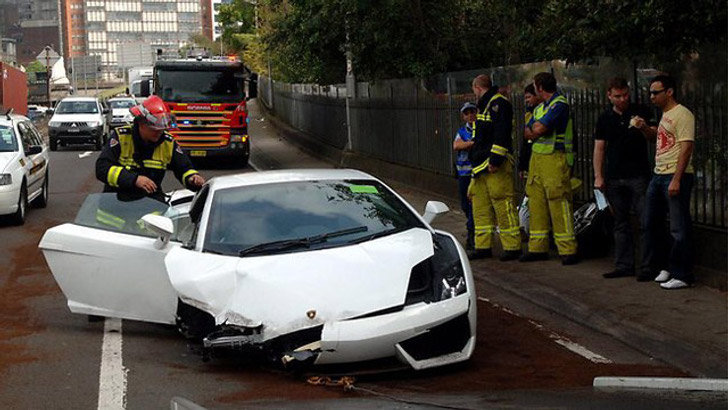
[(510, 256), (480, 254)]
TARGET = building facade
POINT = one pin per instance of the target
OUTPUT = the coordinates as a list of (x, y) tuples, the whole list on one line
[(73, 18), (162, 24), (38, 27)]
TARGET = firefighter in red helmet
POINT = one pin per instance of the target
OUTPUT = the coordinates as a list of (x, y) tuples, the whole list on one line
[(136, 156)]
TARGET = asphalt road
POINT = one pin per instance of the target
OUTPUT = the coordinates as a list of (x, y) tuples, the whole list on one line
[(50, 358)]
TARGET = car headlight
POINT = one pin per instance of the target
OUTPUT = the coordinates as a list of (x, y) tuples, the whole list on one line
[(438, 277), (6, 179), (94, 123), (54, 123)]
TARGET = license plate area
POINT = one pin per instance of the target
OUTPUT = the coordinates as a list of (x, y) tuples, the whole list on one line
[(198, 153)]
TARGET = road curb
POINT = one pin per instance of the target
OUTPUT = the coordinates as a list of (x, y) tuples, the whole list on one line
[(670, 383)]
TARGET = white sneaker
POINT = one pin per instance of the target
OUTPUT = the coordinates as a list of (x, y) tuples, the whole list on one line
[(664, 276), (674, 284)]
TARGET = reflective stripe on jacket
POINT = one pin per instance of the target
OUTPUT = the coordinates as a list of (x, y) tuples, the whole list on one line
[(547, 143)]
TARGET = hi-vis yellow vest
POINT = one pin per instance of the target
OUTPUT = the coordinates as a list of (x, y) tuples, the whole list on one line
[(546, 144), (161, 157)]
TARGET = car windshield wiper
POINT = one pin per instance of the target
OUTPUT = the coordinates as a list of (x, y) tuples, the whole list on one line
[(379, 234), (300, 242)]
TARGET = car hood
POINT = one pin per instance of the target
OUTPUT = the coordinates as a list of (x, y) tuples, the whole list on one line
[(6, 158), (75, 117), (120, 112), (293, 291)]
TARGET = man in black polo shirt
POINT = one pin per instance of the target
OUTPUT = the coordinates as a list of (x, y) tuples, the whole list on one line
[(628, 170)]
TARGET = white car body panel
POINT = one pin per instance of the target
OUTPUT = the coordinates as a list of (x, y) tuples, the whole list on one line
[(32, 168), (356, 293), (111, 274), (279, 290), (77, 118)]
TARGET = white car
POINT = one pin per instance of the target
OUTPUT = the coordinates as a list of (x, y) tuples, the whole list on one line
[(120, 114), (78, 120), (304, 266), (23, 167)]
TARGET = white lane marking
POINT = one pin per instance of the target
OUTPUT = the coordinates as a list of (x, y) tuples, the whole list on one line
[(672, 383), (563, 341), (112, 377), (85, 154)]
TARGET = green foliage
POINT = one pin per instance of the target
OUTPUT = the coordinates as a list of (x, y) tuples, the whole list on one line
[(35, 67), (306, 40)]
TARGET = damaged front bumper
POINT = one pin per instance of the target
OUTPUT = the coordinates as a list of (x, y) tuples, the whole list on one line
[(422, 335)]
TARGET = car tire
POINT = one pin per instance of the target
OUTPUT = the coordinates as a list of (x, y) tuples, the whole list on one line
[(42, 200), (99, 143), (54, 144), (18, 218)]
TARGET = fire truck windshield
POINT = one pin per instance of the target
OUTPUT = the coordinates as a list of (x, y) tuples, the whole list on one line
[(210, 86)]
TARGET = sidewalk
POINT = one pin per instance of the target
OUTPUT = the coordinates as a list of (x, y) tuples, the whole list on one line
[(686, 328)]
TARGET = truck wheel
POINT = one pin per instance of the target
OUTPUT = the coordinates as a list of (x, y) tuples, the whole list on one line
[(54, 144), (18, 218)]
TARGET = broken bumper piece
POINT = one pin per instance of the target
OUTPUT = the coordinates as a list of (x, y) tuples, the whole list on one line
[(421, 335)]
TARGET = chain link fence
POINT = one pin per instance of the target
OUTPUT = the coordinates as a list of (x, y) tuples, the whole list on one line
[(412, 122)]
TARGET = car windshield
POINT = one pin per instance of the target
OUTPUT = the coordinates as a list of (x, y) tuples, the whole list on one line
[(77, 107), (121, 103), (217, 86), (298, 216), (8, 142), (112, 212)]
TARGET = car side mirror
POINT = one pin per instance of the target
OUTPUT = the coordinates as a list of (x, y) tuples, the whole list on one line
[(105, 110), (160, 225), (433, 209), (33, 150), (49, 111)]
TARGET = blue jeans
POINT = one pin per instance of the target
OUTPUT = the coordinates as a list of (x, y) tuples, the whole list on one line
[(627, 198), (465, 205), (657, 203)]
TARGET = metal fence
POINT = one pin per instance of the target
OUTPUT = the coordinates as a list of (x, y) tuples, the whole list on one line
[(413, 122)]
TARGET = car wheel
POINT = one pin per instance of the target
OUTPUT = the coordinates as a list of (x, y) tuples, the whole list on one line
[(99, 143), (42, 200), (18, 217), (54, 144)]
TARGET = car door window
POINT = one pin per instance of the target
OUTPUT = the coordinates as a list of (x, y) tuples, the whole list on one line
[(25, 136), (36, 138)]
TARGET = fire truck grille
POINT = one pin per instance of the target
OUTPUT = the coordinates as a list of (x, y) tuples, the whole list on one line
[(202, 129)]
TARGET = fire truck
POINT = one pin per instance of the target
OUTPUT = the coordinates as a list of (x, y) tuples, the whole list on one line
[(207, 98)]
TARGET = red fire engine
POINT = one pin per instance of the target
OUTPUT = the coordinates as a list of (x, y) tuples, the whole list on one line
[(207, 98)]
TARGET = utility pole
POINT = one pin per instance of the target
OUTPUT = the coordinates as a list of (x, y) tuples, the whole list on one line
[(350, 88), (48, 74)]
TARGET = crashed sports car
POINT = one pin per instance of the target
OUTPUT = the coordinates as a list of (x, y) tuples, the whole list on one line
[(306, 266)]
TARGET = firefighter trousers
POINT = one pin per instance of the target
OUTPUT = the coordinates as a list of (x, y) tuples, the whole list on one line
[(549, 202), (493, 197)]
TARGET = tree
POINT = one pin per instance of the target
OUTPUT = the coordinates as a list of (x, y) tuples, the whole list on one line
[(306, 39)]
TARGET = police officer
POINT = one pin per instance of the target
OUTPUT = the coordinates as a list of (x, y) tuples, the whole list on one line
[(491, 187), (136, 157), (461, 146), (548, 185)]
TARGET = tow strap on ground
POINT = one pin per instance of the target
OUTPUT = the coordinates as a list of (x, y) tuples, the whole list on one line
[(347, 382)]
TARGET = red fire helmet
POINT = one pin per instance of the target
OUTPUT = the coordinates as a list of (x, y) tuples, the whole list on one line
[(154, 112)]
